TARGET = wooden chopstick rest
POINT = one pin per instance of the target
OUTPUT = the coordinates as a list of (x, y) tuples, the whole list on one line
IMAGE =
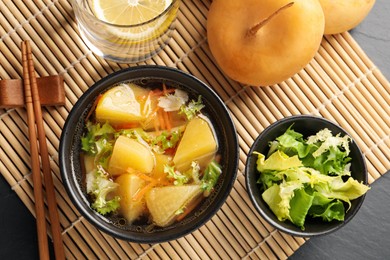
[(51, 92)]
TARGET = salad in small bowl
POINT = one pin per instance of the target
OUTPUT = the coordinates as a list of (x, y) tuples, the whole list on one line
[(306, 176)]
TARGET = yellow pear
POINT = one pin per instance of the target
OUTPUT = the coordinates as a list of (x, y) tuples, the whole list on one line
[(264, 42), (343, 15)]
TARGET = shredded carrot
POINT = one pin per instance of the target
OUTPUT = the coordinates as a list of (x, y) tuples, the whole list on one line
[(141, 192), (145, 177), (193, 204), (154, 116), (167, 122), (166, 117), (170, 151), (127, 125), (161, 118), (158, 92), (164, 88), (170, 119), (156, 122), (156, 109)]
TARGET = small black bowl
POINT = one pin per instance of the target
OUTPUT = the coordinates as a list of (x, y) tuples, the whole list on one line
[(306, 125), (70, 148)]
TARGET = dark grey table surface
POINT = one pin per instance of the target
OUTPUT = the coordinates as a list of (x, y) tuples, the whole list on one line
[(367, 236)]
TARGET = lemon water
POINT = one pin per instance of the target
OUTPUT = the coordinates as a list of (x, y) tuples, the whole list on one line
[(112, 34)]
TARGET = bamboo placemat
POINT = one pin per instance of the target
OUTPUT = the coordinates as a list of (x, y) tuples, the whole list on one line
[(340, 83)]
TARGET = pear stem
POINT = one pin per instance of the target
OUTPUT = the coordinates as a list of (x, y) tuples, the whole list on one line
[(254, 29)]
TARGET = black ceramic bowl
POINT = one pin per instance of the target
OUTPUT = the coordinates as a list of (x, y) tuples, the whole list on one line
[(70, 147), (306, 125)]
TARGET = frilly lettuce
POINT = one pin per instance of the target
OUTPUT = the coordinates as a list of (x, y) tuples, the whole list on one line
[(99, 187), (173, 102), (327, 140), (98, 141), (208, 181), (295, 187), (211, 176), (323, 151), (192, 109)]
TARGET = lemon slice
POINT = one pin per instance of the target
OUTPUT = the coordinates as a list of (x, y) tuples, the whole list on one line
[(132, 17), (129, 12)]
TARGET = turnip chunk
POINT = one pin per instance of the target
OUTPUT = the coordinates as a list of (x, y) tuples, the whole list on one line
[(129, 153), (165, 203), (129, 184), (120, 105), (197, 144)]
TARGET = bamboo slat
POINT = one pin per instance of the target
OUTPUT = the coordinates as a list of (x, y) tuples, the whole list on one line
[(341, 83)]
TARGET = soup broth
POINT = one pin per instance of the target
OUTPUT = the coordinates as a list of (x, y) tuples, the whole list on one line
[(150, 154)]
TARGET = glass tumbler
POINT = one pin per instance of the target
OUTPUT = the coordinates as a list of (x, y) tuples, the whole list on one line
[(125, 43)]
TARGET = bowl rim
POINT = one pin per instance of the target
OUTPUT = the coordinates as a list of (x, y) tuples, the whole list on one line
[(250, 190), (74, 191)]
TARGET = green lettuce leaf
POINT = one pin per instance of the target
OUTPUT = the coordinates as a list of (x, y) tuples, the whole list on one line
[(278, 198), (210, 176), (179, 178), (96, 132), (345, 191), (98, 142), (272, 197), (292, 143), (333, 211), (278, 161), (300, 204), (269, 178), (327, 208), (167, 140)]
